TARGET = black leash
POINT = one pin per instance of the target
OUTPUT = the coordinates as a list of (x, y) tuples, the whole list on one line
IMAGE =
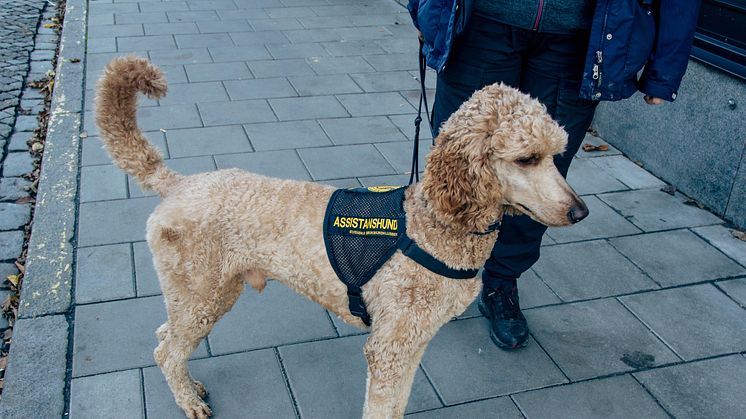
[(414, 176)]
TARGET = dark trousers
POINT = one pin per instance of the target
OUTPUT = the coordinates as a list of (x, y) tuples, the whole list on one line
[(546, 66)]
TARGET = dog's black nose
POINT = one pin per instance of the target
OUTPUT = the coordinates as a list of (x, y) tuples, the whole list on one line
[(577, 212)]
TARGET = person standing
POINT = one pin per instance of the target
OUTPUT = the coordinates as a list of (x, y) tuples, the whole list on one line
[(569, 54)]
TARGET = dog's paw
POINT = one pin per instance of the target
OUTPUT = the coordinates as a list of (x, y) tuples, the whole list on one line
[(198, 410), (201, 389)]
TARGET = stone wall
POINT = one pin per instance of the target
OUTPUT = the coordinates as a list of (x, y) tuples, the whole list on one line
[(696, 144)]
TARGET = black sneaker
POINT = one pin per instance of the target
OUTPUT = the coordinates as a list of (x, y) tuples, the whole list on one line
[(508, 327)]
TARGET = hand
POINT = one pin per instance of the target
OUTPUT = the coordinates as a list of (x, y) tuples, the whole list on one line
[(419, 36), (650, 100)]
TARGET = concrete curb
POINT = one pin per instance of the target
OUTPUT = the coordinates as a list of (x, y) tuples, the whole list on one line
[(35, 380)]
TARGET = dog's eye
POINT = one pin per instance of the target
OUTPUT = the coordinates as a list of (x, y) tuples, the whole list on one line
[(526, 161)]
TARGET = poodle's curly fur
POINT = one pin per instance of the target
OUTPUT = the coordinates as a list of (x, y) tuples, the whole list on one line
[(215, 231)]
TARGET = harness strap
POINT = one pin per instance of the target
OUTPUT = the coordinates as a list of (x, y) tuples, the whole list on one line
[(357, 305), (410, 249), (414, 175)]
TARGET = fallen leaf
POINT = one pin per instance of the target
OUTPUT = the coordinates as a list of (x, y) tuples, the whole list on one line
[(13, 279), (20, 267), (25, 200), (50, 25), (8, 334), (669, 189), (84, 134), (590, 147), (74, 60), (740, 235)]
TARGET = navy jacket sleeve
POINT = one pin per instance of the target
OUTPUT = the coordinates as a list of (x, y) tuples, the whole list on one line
[(667, 64), (412, 6)]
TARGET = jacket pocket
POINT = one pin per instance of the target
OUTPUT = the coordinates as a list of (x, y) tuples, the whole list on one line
[(641, 41)]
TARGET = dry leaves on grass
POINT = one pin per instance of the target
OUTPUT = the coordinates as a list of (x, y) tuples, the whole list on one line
[(588, 147)]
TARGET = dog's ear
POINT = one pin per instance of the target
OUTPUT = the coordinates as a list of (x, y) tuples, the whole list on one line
[(461, 185)]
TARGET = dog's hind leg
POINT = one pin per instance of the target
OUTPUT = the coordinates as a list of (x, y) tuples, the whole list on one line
[(191, 316)]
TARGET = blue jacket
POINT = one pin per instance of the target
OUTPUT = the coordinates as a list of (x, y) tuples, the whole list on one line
[(626, 35)]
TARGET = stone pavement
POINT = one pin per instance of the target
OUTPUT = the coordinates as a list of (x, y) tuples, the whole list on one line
[(638, 311)]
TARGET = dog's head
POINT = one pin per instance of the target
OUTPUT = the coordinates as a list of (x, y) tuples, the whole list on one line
[(495, 154)]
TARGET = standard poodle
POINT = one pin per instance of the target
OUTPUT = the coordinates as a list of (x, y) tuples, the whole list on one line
[(215, 231)]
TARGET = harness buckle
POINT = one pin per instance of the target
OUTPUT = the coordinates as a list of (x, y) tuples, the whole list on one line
[(357, 305)]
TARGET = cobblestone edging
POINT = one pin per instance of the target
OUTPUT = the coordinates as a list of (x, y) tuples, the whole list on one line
[(35, 382)]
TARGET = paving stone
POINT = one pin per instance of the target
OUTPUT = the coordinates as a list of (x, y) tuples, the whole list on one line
[(393, 62), (697, 322), (346, 48), (313, 107), (151, 6), (211, 5), (204, 39), (316, 22), (391, 81), (223, 25), (677, 257), (328, 379), (284, 164), (601, 222), (399, 154), (258, 38), (185, 166), (596, 338), (168, 117), (105, 340), (278, 24), (100, 183), (344, 329), (279, 68), (352, 160), (259, 88), (146, 278), (367, 104), (101, 45), (322, 85), (406, 125), (237, 112), (6, 269), (191, 16), (596, 141), (133, 29), (125, 221), (26, 123), (735, 288), (343, 183), (174, 74), (312, 35), (149, 42), (151, 17), (713, 388), (361, 33), (285, 12), (180, 94), (286, 135), (723, 239), (587, 178), (629, 173), (180, 56), (244, 53), (14, 216), (11, 243), (532, 291), (655, 210), (175, 28), (616, 397), (368, 129), (217, 71), (107, 395), (579, 271), (257, 315), (18, 141), (465, 365), (339, 65), (339, 10), (37, 365), (104, 273), (229, 379), (206, 141), (481, 409)]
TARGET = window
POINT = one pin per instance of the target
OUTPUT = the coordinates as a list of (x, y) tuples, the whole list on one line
[(720, 39)]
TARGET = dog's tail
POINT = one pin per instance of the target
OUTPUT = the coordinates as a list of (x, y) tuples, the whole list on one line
[(116, 116)]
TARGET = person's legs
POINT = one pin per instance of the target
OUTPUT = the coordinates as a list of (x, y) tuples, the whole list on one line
[(552, 73)]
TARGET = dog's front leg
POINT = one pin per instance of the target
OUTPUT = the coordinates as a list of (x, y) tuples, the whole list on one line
[(392, 364)]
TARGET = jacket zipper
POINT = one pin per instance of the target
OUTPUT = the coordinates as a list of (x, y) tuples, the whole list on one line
[(599, 54), (538, 15)]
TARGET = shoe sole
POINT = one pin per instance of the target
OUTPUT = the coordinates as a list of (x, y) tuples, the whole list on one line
[(500, 344)]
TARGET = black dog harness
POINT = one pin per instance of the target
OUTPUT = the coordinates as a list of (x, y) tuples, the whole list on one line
[(363, 228)]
